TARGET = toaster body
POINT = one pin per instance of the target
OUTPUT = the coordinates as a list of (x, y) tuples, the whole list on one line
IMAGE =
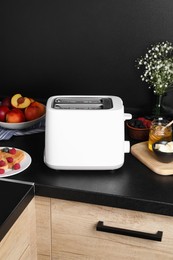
[(85, 133)]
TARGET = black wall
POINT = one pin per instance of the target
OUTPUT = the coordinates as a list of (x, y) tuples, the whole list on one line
[(80, 46)]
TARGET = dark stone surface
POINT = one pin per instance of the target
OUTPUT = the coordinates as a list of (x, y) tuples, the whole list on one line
[(133, 186)]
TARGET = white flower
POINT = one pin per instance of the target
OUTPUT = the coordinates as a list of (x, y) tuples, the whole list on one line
[(158, 67)]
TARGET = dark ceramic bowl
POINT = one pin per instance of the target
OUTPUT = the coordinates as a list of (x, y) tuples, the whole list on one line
[(165, 157), (140, 134)]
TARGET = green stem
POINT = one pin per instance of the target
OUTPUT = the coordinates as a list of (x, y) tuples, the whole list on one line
[(158, 106)]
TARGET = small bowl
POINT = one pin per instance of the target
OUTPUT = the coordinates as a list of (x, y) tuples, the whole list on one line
[(140, 134), (165, 157)]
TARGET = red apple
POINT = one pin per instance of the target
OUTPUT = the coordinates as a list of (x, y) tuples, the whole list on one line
[(6, 102), (15, 116), (3, 111)]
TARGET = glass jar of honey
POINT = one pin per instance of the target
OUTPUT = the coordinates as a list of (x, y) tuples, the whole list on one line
[(159, 132)]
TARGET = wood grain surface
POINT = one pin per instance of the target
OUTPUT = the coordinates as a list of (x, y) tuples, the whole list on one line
[(147, 157)]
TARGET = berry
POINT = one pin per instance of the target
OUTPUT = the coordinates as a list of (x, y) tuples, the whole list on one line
[(5, 150), (132, 122), (141, 119), (148, 123), (2, 163), (140, 122), (16, 166), (9, 159), (2, 171), (12, 151)]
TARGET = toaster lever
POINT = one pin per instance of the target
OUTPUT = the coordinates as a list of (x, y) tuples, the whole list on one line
[(127, 116)]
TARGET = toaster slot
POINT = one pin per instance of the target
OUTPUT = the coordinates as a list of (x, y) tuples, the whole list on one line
[(78, 100), (82, 103), (78, 106)]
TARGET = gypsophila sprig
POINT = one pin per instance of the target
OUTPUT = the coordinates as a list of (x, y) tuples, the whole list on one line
[(157, 65)]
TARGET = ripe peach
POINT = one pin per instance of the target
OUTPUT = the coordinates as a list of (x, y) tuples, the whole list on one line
[(34, 111), (15, 116), (18, 101), (31, 99), (40, 105), (3, 112)]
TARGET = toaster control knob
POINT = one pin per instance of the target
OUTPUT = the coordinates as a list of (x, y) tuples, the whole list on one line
[(126, 146)]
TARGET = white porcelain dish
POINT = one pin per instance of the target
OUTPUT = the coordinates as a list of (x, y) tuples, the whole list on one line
[(25, 163), (22, 125)]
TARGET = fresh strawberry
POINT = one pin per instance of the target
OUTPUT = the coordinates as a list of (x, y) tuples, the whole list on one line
[(141, 119), (146, 122), (149, 124)]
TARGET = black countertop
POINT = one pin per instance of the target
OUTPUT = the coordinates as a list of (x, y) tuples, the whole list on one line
[(133, 186), (14, 198)]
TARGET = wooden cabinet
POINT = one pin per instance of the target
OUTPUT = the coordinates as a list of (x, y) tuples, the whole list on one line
[(20, 241), (55, 229), (43, 227), (72, 233), (68, 230)]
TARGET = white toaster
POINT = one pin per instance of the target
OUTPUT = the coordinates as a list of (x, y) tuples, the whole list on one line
[(85, 133)]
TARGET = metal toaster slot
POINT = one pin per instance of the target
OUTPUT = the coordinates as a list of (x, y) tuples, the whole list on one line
[(82, 103)]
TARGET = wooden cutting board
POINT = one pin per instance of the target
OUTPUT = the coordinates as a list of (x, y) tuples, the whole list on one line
[(147, 157)]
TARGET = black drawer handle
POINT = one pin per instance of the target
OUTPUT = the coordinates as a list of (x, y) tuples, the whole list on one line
[(126, 232)]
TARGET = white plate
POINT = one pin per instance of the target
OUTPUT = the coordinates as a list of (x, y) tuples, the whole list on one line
[(24, 164), (22, 125)]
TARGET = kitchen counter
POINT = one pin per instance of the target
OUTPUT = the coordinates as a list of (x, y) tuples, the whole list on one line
[(14, 198), (133, 186)]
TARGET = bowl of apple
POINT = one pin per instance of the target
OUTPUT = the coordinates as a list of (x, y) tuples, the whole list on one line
[(18, 112)]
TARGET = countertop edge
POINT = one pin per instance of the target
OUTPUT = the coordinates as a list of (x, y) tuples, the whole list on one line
[(17, 211), (105, 200)]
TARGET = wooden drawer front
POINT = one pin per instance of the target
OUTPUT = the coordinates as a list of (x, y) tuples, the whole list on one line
[(20, 241), (74, 234), (43, 227)]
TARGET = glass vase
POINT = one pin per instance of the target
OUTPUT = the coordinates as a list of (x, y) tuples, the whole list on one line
[(157, 110)]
